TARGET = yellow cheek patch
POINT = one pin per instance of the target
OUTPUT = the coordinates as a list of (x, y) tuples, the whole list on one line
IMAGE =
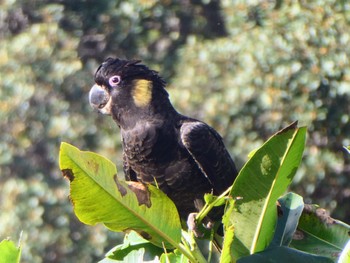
[(142, 92)]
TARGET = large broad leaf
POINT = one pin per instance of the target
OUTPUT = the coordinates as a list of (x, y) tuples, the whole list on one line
[(9, 252), (99, 197), (320, 234), (290, 208), (263, 179)]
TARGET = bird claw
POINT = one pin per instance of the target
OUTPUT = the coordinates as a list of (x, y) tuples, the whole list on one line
[(192, 225)]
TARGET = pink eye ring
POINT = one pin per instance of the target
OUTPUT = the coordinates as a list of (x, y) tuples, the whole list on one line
[(114, 80)]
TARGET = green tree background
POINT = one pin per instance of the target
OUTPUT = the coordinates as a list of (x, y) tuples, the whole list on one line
[(247, 68)]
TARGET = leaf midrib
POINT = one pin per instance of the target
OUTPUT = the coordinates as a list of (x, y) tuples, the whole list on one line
[(262, 215)]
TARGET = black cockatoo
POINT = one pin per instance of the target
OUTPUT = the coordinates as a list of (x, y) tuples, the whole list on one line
[(183, 156)]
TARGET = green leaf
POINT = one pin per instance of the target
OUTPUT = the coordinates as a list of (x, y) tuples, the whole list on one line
[(228, 233), (9, 253), (99, 196), (226, 255), (214, 200), (291, 207), (133, 250), (283, 254), (320, 234), (262, 180)]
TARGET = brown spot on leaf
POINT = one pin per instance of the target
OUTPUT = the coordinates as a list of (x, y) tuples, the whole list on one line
[(141, 192), (142, 233), (145, 235), (320, 213), (298, 235), (94, 166), (121, 188), (323, 215), (71, 200), (291, 126), (67, 173)]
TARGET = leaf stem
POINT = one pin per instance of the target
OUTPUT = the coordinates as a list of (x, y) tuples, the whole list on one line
[(190, 248), (209, 206)]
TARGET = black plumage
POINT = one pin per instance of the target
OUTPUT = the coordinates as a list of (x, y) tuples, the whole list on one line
[(185, 157)]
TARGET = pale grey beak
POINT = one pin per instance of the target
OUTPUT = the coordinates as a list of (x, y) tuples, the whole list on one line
[(99, 98)]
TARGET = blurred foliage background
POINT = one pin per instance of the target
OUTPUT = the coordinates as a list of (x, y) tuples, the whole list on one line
[(248, 68)]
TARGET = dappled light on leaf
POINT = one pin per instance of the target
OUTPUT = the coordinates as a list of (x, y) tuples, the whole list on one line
[(262, 180)]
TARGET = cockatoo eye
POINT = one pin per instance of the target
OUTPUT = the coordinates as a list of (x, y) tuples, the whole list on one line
[(114, 80)]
